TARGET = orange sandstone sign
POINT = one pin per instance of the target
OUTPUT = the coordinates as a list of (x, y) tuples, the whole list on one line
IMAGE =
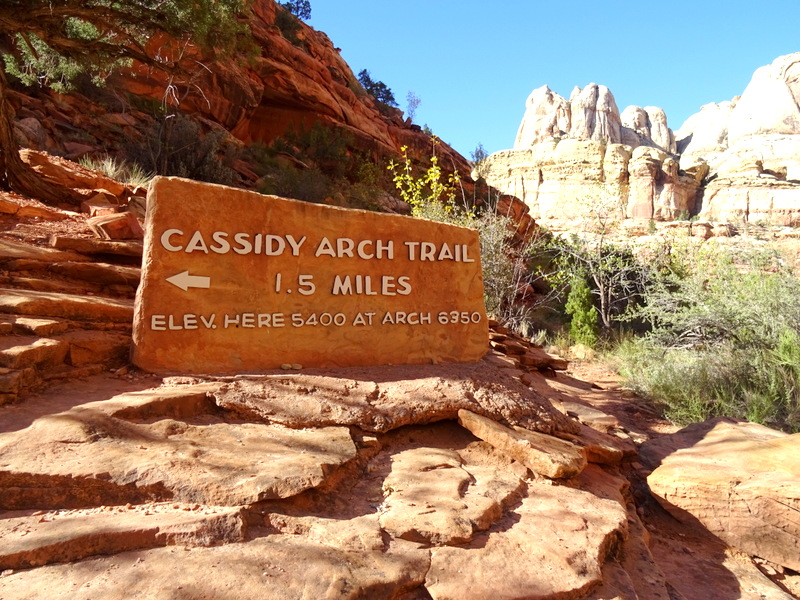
[(234, 281)]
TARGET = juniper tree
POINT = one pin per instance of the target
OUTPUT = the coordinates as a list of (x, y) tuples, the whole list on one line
[(50, 42)]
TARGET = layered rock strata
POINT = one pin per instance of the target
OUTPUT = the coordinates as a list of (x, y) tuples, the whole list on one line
[(287, 86), (751, 145), (573, 158), (736, 161)]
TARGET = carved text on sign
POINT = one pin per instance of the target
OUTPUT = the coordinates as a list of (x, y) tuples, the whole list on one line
[(233, 281)]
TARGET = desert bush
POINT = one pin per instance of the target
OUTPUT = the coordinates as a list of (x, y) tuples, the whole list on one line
[(724, 339), (174, 145), (289, 25), (432, 194), (317, 164), (309, 185), (616, 277), (131, 174)]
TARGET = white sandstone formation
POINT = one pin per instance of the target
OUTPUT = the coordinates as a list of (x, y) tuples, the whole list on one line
[(595, 115), (547, 115), (752, 147), (733, 161), (573, 158)]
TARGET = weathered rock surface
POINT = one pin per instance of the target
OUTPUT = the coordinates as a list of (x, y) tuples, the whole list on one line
[(594, 114), (415, 394), (547, 115), (71, 306), (591, 113), (541, 453), (557, 540), (419, 511), (59, 459), (572, 180), (33, 540), (276, 567), (735, 161), (751, 147), (431, 496), (740, 480)]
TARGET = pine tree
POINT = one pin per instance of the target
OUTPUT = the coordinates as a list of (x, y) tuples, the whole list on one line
[(51, 42), (583, 326)]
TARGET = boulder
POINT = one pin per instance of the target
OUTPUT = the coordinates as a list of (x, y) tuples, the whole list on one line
[(740, 480)]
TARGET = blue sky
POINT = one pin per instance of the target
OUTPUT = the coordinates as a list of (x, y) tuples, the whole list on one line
[(473, 63)]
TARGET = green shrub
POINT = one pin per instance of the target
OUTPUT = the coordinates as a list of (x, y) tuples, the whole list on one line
[(583, 324), (724, 340), (289, 25), (310, 185), (432, 195)]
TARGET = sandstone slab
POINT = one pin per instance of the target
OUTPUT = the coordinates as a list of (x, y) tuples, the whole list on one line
[(21, 352), (553, 545), (87, 347), (277, 281), (740, 480), (65, 536), (543, 454), (601, 448), (38, 326), (432, 497), (90, 246), (98, 272), (70, 306), (276, 567), (376, 401), (107, 453), (11, 250)]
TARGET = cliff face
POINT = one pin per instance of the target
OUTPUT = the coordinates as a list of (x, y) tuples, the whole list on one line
[(752, 148), (734, 161), (578, 154), (285, 86)]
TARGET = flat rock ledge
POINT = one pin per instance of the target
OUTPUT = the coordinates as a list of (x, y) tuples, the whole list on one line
[(411, 395), (439, 482), (158, 446)]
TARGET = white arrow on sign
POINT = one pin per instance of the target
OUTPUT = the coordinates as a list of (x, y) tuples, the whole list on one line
[(185, 281)]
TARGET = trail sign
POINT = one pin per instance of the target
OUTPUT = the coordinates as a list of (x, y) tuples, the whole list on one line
[(234, 281)]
